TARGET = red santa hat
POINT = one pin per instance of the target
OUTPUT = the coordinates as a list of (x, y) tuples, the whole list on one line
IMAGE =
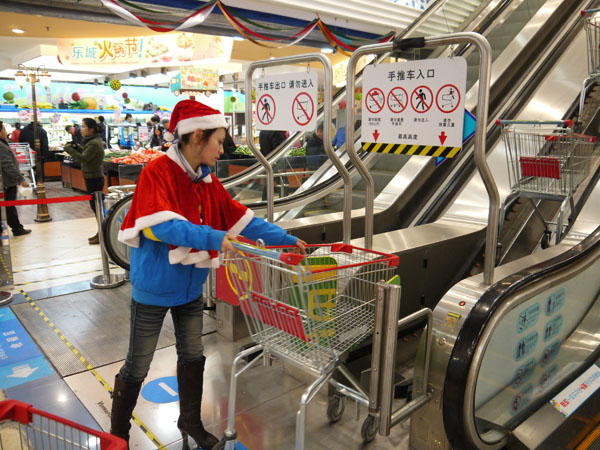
[(190, 115)]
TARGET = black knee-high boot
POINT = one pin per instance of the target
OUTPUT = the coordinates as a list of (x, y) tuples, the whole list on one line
[(190, 377), (124, 398)]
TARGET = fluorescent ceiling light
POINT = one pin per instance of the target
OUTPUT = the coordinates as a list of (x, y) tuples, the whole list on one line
[(327, 50), (238, 38), (17, 31)]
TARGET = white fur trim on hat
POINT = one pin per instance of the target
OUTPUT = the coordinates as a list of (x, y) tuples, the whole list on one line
[(209, 122)]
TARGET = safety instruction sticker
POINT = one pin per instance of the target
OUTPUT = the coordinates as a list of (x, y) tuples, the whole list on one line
[(526, 345), (550, 353), (577, 392), (415, 103), (287, 101), (528, 317), (553, 327), (523, 373), (555, 301), (520, 400)]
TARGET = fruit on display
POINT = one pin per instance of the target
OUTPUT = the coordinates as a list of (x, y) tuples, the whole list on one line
[(9, 97), (115, 85), (91, 102), (127, 100), (83, 104), (138, 157), (75, 96), (125, 95)]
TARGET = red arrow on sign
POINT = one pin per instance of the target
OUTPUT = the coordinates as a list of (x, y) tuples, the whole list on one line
[(442, 137), (375, 135)]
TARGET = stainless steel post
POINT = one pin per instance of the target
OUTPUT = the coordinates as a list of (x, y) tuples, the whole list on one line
[(479, 42), (376, 350), (327, 101), (106, 280), (388, 356), (6, 276)]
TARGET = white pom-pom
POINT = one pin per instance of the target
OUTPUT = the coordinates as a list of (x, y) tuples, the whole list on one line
[(168, 136)]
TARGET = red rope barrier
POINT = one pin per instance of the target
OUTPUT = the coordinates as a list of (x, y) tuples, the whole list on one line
[(45, 201)]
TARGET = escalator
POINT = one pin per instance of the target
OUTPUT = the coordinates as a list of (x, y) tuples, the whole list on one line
[(507, 356)]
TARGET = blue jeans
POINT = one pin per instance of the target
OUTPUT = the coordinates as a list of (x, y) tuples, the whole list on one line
[(146, 322)]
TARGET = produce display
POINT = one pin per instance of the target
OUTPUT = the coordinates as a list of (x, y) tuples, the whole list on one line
[(137, 157), (243, 150), (300, 151)]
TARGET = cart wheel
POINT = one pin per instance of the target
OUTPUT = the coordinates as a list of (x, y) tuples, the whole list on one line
[(335, 408), (369, 428), (546, 239)]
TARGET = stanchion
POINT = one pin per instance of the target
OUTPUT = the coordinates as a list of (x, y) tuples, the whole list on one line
[(106, 280), (6, 278)]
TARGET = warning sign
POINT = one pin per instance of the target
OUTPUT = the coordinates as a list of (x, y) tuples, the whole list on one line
[(287, 102), (266, 109), (415, 107)]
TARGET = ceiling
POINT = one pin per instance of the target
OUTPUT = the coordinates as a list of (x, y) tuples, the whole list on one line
[(43, 31)]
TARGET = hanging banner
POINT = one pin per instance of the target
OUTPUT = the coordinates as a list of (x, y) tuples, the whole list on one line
[(194, 77), (155, 50)]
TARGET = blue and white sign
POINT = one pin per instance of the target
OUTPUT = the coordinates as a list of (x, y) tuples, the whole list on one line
[(161, 390), (20, 359)]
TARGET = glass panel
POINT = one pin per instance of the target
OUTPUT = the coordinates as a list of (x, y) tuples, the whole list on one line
[(533, 348)]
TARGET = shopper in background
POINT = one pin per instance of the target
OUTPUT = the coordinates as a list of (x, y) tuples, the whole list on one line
[(11, 178), (26, 136), (104, 131), (14, 136), (90, 154), (180, 218), (75, 132), (128, 118), (157, 138), (315, 151), (269, 140)]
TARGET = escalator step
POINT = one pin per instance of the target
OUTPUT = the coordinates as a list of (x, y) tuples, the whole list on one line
[(592, 441)]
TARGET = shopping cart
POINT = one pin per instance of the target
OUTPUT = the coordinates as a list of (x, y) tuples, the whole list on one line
[(592, 31), (26, 159), (26, 428), (307, 311), (546, 160)]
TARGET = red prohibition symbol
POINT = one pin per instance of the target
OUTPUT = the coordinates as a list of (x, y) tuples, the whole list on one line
[(375, 100), (266, 109), (447, 98), (303, 108), (421, 99), (397, 100)]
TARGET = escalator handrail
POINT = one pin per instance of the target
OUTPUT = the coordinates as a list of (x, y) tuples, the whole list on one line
[(465, 349)]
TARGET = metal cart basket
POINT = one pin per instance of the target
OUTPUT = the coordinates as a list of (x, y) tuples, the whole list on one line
[(26, 428), (546, 160), (592, 30), (25, 158), (305, 310)]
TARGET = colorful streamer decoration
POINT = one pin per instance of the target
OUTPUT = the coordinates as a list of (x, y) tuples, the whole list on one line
[(197, 17), (342, 43)]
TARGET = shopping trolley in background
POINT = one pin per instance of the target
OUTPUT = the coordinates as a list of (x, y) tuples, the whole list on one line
[(546, 160), (592, 30), (26, 428), (26, 159), (307, 311)]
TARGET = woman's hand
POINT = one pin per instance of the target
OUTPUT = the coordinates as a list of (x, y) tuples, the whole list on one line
[(226, 245), (302, 246)]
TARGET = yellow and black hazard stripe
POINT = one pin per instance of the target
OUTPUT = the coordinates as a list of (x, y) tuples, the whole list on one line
[(410, 149), (89, 367)]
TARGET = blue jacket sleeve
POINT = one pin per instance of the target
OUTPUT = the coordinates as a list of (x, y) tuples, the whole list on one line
[(185, 234), (270, 233)]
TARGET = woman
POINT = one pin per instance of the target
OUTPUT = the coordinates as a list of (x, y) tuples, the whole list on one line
[(11, 178), (180, 218), (90, 154)]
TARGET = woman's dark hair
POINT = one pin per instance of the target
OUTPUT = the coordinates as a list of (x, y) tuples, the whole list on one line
[(17, 126), (101, 119), (92, 124), (155, 118), (185, 139), (127, 116)]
